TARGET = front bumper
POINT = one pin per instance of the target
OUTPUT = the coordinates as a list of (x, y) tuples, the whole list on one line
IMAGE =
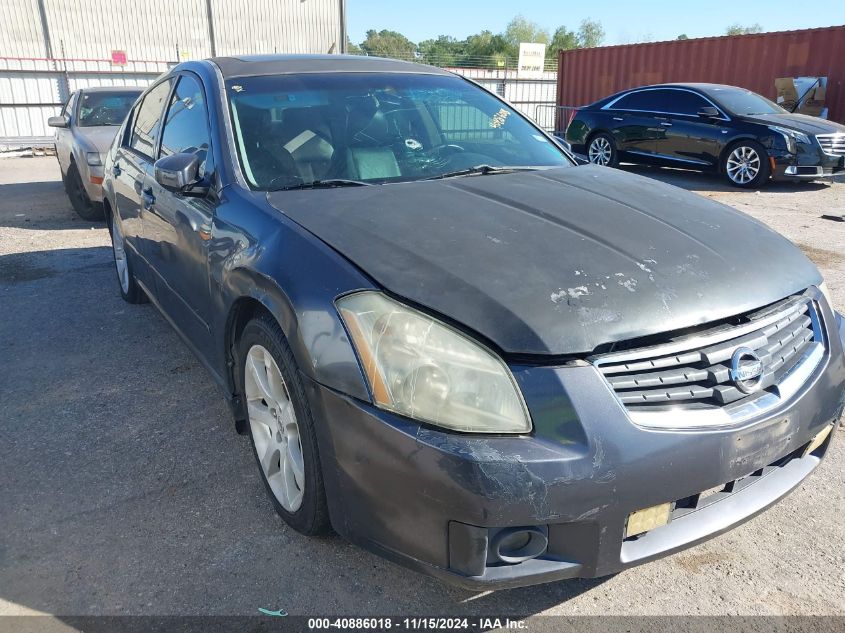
[(810, 163), (434, 501), (92, 179)]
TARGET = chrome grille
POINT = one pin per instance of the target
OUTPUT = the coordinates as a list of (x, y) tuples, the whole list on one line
[(833, 144), (692, 372)]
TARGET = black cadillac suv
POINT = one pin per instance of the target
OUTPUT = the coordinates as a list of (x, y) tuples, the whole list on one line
[(708, 127)]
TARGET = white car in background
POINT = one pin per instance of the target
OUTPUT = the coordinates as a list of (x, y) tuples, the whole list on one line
[(84, 131)]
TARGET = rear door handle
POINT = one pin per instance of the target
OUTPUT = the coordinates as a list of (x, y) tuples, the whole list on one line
[(665, 124), (148, 199), (618, 118)]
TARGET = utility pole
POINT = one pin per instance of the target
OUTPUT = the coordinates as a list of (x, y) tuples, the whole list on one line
[(209, 17), (342, 49)]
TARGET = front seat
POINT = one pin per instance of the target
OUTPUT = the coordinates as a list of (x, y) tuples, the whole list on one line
[(305, 137), (269, 166), (369, 155)]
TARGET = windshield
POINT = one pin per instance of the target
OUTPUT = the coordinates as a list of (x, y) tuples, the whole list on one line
[(375, 128), (744, 102), (105, 108)]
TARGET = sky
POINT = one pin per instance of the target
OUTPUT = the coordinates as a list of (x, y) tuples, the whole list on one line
[(624, 22)]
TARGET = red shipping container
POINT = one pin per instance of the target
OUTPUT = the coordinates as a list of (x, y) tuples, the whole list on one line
[(750, 61)]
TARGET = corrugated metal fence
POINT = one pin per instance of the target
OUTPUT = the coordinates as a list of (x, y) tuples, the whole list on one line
[(49, 48), (750, 61)]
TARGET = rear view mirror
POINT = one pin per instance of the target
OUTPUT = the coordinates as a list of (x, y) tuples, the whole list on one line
[(709, 112), (62, 120), (177, 172)]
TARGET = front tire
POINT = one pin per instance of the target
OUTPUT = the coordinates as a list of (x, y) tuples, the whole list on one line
[(601, 150), (281, 427), (82, 204), (746, 165)]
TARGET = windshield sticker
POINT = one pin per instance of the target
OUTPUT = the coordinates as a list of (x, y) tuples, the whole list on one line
[(498, 119), (237, 88)]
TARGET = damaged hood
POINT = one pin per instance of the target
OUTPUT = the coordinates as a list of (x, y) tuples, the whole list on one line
[(801, 122), (557, 261)]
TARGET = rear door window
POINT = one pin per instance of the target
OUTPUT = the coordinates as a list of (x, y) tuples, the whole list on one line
[(684, 102), (147, 120), (644, 101)]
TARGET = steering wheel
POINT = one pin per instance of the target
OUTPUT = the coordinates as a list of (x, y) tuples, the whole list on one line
[(446, 149)]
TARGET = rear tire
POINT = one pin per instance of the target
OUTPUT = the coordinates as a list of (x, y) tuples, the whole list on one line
[(746, 165), (281, 427), (601, 150), (82, 204)]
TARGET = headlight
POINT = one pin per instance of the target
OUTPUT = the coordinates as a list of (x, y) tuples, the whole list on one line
[(426, 370), (94, 159), (791, 137), (826, 292)]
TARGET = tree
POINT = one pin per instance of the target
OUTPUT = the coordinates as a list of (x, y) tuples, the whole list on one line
[(562, 40), (590, 34), (352, 48), (522, 30), (683, 36), (738, 29), (387, 43), (444, 51)]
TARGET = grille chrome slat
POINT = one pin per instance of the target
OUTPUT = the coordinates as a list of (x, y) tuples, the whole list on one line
[(832, 144), (691, 373)]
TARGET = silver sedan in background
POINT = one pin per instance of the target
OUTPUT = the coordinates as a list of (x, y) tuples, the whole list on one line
[(84, 131)]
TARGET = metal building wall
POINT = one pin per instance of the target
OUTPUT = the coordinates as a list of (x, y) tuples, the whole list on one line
[(310, 26), (20, 29), (146, 30), (49, 48), (750, 61)]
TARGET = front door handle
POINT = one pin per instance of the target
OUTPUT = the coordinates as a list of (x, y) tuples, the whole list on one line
[(148, 199), (618, 118), (116, 170)]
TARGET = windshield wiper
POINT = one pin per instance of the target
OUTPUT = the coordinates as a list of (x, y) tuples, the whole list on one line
[(328, 183), (480, 169)]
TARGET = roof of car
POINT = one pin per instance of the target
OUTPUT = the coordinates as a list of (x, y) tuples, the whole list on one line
[(137, 89), (252, 65), (703, 87)]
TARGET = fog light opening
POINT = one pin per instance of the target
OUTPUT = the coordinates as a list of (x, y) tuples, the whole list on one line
[(516, 545)]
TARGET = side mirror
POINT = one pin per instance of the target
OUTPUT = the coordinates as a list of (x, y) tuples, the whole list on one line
[(62, 120), (177, 172), (709, 112)]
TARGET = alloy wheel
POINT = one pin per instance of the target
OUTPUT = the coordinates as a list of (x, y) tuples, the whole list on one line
[(274, 428), (120, 256), (600, 151), (743, 165)]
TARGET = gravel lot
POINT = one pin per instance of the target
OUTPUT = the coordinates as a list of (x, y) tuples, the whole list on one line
[(124, 489)]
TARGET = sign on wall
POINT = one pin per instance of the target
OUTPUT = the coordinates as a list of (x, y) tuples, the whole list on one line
[(118, 58), (532, 58)]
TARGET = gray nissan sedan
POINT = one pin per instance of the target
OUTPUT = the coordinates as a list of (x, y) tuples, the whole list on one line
[(452, 345), (85, 129)]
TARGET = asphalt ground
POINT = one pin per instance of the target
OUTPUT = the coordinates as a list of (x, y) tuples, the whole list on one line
[(125, 490)]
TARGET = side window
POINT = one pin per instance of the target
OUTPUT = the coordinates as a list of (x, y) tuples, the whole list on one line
[(147, 122), (186, 123), (644, 101), (683, 102), (67, 108)]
